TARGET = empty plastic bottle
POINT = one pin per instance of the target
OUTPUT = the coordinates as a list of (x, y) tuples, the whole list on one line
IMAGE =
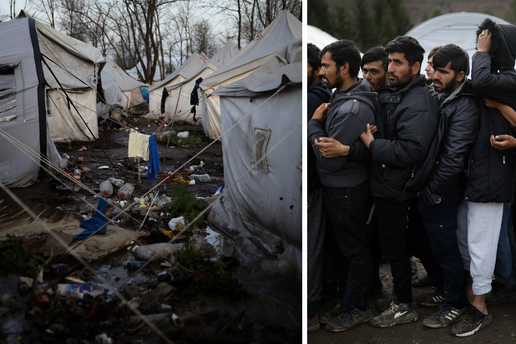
[(106, 188), (77, 177), (126, 190), (116, 182)]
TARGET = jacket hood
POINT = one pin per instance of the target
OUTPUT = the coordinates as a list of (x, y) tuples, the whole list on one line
[(320, 89), (361, 90), (503, 44)]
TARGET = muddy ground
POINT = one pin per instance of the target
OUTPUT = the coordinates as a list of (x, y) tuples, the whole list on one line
[(502, 330), (206, 315)]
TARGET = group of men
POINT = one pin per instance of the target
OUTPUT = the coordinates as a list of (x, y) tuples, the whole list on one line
[(433, 164)]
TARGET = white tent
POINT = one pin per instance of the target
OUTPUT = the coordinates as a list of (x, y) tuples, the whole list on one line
[(283, 29), (76, 65), (119, 87), (456, 28), (177, 105), (264, 207), (318, 37), (185, 71), (24, 133)]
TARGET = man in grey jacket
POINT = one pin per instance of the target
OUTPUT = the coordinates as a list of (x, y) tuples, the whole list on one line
[(345, 180)]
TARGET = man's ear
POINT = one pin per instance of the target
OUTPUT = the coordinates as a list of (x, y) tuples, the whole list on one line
[(460, 76), (317, 71), (416, 67), (344, 69)]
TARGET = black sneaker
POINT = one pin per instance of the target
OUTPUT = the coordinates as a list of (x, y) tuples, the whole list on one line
[(446, 315), (501, 294), (313, 324), (398, 313), (435, 298), (383, 303), (332, 310), (474, 321), (353, 317)]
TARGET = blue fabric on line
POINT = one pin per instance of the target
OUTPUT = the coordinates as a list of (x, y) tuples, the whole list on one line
[(95, 222), (153, 164)]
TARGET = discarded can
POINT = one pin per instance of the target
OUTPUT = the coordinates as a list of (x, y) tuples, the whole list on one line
[(135, 264)]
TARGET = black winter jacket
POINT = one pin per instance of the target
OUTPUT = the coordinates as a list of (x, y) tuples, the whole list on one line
[(443, 167), (350, 111), (406, 127), (491, 171)]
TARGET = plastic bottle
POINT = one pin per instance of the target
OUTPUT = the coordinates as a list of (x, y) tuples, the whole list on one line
[(135, 264), (126, 190), (201, 177), (116, 182), (106, 188), (77, 177)]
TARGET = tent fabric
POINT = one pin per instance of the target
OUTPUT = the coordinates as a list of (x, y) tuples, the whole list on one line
[(283, 29), (178, 104), (185, 71), (19, 168), (318, 37), (273, 187), (456, 28)]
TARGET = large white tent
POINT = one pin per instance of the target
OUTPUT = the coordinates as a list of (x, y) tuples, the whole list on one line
[(456, 28), (318, 37), (119, 87), (264, 207), (24, 133), (283, 29), (184, 72), (177, 105)]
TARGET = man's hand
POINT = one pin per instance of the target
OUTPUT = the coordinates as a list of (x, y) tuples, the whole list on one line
[(367, 136), (331, 148), (484, 41), (321, 112), (503, 142), (492, 103)]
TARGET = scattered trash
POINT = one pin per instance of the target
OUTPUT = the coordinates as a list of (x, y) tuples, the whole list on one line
[(66, 156), (177, 223), (104, 167), (134, 265), (77, 177), (200, 177), (183, 134), (87, 173), (76, 290), (126, 190), (83, 149), (219, 191), (106, 188), (117, 182)]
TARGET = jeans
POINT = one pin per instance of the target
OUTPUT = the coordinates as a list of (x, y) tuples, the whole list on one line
[(504, 263), (394, 239), (440, 222), (348, 212)]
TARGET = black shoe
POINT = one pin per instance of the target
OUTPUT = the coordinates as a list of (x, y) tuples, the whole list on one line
[(332, 309), (503, 294), (353, 317), (474, 321), (313, 324), (446, 315), (435, 298), (398, 313)]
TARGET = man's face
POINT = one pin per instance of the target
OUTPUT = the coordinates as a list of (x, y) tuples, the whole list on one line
[(375, 74), (331, 74), (429, 69), (400, 72), (445, 79)]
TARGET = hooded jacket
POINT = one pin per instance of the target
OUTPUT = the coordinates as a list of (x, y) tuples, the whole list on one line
[(493, 77), (317, 94), (350, 111), (443, 167), (406, 126)]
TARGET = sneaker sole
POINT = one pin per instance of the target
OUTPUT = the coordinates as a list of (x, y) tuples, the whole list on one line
[(349, 328), (486, 322), (314, 328), (398, 322)]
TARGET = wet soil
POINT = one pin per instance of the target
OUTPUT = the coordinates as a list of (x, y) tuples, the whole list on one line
[(208, 318)]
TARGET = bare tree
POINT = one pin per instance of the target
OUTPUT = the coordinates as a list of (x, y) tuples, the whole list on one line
[(203, 39)]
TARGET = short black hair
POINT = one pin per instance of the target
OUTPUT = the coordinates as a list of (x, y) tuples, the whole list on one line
[(409, 46), (454, 54), (314, 56), (376, 54), (344, 51), (433, 51)]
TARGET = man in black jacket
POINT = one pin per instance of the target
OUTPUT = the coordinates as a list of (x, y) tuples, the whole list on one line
[(444, 191), (317, 94), (345, 180), (406, 127), (490, 171)]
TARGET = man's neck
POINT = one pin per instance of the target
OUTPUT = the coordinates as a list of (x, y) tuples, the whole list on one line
[(348, 82)]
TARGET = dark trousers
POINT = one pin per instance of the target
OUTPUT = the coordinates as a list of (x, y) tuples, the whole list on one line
[(440, 222), (347, 210), (394, 240)]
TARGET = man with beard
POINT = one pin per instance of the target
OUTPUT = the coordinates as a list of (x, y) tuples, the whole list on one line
[(444, 191), (406, 126), (345, 180), (317, 94), (490, 171), (429, 69)]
